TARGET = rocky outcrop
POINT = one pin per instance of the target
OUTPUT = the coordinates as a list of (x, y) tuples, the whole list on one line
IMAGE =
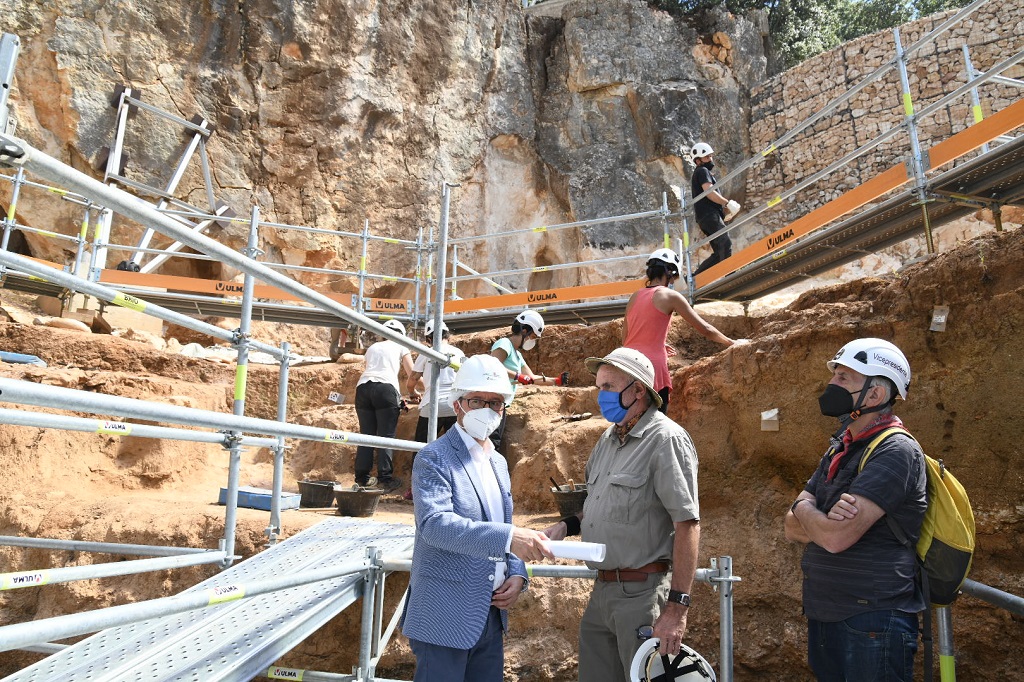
[(334, 112)]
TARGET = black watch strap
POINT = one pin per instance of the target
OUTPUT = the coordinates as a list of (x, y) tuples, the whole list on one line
[(679, 597)]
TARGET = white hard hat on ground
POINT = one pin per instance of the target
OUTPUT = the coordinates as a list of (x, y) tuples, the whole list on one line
[(687, 666), (875, 358), (632, 362), (701, 149), (666, 256), (531, 319), (483, 373), (395, 325)]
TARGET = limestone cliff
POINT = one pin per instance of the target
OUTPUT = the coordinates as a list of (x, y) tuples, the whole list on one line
[(332, 112)]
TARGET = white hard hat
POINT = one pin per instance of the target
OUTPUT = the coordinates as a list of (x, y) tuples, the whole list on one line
[(395, 325), (428, 328), (531, 319), (632, 362), (483, 373), (875, 358), (686, 666), (666, 256), (701, 149)]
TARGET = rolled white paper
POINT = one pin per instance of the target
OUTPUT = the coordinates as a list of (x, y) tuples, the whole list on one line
[(584, 551)]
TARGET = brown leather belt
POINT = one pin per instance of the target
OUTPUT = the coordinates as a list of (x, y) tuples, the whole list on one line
[(633, 575)]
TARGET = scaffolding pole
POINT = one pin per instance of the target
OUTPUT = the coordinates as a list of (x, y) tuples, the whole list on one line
[(18, 153), (111, 295), (100, 547), (111, 428), (60, 627), (30, 393), (52, 576)]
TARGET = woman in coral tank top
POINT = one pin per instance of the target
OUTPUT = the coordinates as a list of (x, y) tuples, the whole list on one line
[(649, 313)]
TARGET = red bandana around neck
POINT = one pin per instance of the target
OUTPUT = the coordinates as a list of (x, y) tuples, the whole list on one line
[(881, 423)]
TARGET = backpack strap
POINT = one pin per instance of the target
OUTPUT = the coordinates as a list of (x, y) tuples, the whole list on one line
[(878, 441), (926, 629)]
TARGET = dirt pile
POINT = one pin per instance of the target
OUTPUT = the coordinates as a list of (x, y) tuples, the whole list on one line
[(964, 401)]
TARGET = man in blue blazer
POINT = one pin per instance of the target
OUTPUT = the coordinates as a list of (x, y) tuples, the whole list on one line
[(467, 564)]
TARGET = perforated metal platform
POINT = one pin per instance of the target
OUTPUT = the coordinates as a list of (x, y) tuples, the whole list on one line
[(235, 640)]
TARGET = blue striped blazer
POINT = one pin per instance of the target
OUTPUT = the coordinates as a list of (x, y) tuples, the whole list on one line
[(456, 546)]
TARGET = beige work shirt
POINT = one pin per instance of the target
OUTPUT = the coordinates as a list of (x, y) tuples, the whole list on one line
[(636, 491)]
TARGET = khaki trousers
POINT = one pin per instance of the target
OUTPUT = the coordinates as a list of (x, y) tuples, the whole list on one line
[(608, 638)]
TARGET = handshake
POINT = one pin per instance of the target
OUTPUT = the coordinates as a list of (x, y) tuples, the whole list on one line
[(560, 380)]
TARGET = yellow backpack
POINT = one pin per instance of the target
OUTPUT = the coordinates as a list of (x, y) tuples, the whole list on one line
[(946, 545)]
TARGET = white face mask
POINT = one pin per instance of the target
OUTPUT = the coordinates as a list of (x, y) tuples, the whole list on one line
[(529, 344), (481, 423)]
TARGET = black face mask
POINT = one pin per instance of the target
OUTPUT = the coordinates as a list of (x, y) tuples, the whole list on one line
[(710, 165), (836, 401)]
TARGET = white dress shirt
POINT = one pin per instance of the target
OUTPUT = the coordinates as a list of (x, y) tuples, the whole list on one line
[(483, 476)]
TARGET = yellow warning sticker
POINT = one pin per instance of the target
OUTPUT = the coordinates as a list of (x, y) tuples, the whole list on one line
[(241, 377), (12, 581), (219, 595), (336, 437), (116, 428), (542, 228), (279, 673), (130, 302)]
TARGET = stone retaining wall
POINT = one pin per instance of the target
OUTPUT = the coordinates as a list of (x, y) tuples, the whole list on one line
[(993, 33)]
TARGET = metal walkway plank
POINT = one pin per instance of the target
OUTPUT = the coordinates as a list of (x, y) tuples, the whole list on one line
[(236, 640)]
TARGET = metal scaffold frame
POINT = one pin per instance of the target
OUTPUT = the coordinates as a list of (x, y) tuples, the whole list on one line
[(235, 430), (918, 164)]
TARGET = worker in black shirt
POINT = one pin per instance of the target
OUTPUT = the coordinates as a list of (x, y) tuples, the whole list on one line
[(712, 209)]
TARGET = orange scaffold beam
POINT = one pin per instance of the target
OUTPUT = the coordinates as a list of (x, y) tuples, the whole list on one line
[(544, 296), (967, 140)]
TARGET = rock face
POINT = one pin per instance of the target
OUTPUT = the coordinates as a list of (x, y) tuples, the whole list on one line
[(332, 113)]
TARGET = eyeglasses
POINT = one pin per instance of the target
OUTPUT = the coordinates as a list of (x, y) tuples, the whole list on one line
[(477, 403)]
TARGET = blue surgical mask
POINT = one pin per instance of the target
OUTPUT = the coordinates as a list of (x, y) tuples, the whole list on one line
[(611, 405)]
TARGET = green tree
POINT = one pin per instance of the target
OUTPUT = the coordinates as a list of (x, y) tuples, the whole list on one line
[(803, 28)]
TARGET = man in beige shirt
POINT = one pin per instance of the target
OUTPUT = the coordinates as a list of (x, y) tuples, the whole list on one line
[(642, 504)]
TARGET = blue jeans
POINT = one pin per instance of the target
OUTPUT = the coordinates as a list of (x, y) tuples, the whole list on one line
[(485, 662), (878, 646)]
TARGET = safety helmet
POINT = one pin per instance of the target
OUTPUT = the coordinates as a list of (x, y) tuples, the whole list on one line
[(531, 319), (668, 257), (875, 358), (686, 666), (700, 150), (483, 373), (428, 328), (395, 325)]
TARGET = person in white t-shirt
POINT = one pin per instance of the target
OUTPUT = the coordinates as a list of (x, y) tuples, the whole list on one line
[(378, 405), (424, 368)]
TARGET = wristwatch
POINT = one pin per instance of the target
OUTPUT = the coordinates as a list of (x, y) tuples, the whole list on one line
[(679, 597)]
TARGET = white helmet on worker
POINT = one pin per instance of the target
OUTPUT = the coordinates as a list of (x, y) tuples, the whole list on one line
[(395, 325), (875, 358), (428, 328), (667, 256), (531, 319), (483, 373), (700, 150), (686, 666)]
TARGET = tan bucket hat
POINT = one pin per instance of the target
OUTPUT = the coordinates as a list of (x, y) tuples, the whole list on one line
[(632, 362)]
